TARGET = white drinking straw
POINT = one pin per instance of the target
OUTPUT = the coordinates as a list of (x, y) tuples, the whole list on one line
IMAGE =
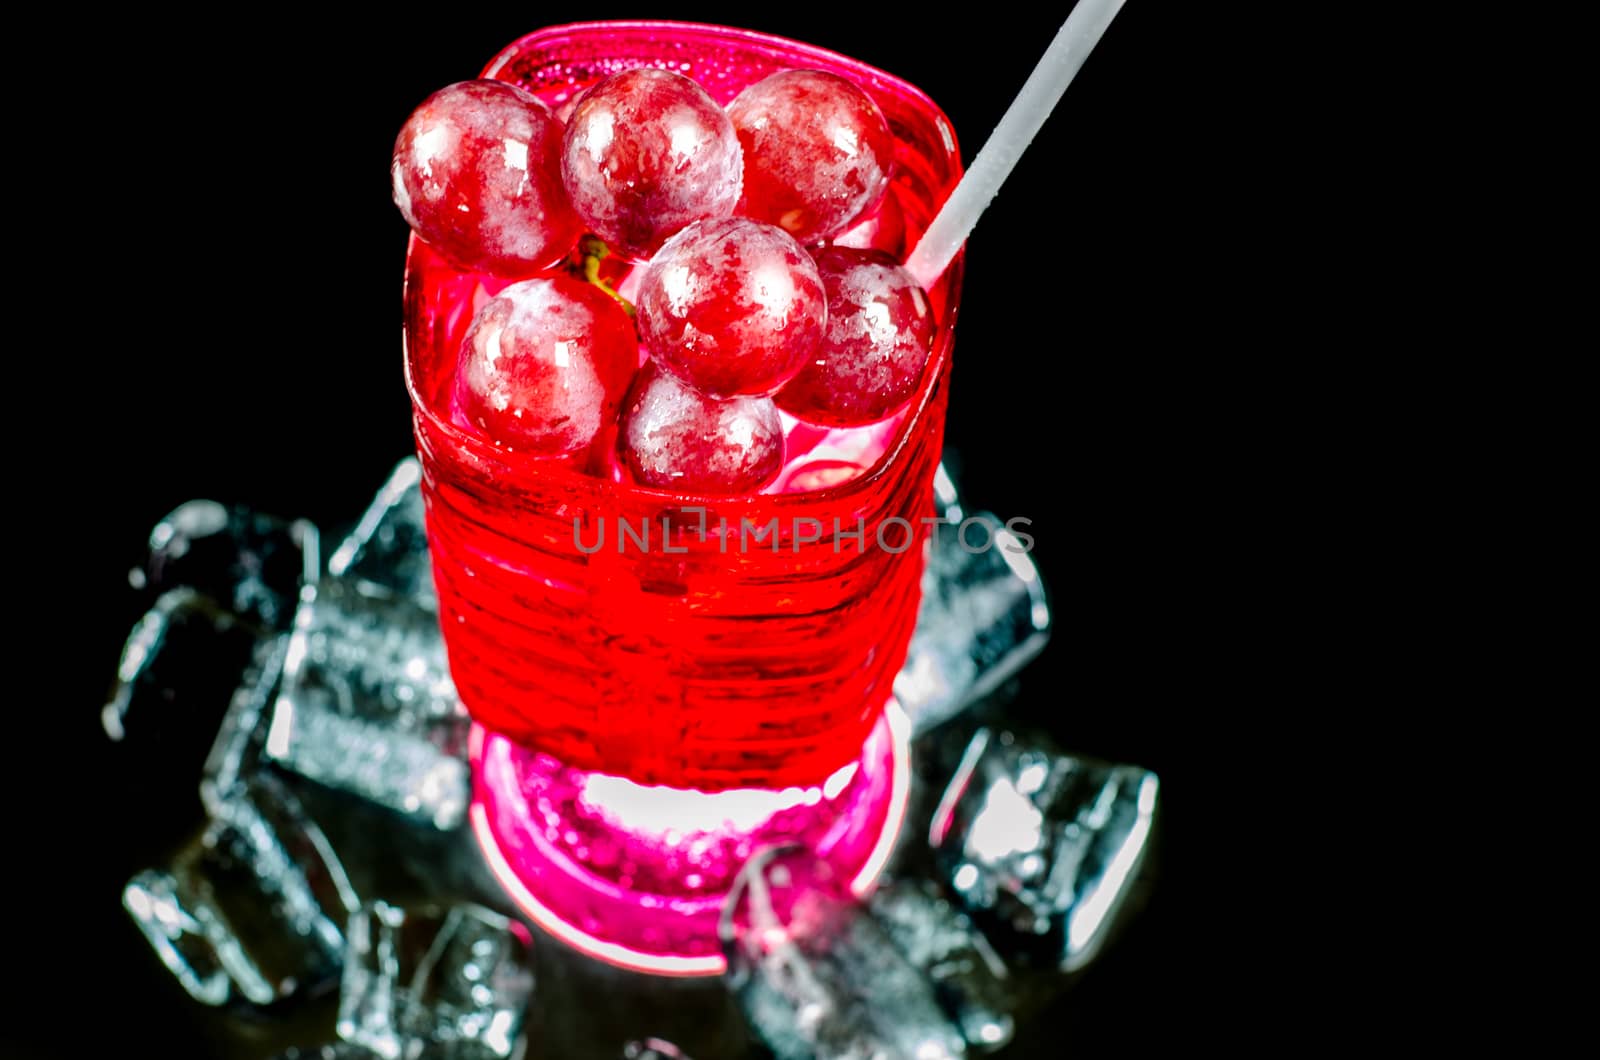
[(1074, 41)]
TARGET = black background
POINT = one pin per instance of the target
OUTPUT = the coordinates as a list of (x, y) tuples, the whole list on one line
[(245, 346)]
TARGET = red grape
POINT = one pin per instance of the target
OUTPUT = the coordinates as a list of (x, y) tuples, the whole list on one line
[(544, 365), (817, 152), (880, 330), (477, 174), (673, 438), (731, 307), (646, 153)]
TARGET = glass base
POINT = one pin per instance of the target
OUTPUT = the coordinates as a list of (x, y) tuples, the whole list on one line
[(636, 876)]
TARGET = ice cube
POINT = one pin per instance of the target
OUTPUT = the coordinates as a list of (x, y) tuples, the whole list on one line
[(178, 668), (983, 614), (366, 704), (451, 984), (236, 747), (387, 647), (249, 563), (1042, 847), (389, 546), (969, 978), (251, 911), (946, 497), (652, 1049), (817, 977), (184, 933)]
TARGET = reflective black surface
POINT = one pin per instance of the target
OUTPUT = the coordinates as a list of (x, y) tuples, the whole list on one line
[(259, 254)]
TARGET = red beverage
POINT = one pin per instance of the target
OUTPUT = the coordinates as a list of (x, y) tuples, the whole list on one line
[(705, 642)]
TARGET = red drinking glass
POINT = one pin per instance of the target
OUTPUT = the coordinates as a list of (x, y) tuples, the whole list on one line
[(707, 643)]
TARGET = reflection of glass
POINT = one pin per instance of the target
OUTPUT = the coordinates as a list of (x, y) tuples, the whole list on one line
[(614, 642)]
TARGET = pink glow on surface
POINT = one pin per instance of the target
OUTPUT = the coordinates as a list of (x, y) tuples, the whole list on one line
[(636, 875), (539, 913), (899, 796)]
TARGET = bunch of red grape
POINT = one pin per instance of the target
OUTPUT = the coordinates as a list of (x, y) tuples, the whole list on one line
[(759, 292)]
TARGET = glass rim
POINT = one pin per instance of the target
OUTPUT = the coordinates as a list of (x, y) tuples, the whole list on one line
[(512, 51)]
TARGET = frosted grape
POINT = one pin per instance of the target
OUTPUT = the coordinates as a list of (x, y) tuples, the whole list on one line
[(476, 171), (544, 366), (673, 438), (817, 152), (647, 152), (731, 307), (879, 334)]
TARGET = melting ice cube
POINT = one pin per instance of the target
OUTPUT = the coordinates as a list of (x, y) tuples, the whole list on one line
[(447, 985), (178, 667), (1043, 846), (969, 978), (389, 546), (251, 910), (983, 614), (249, 563), (367, 706), (817, 977), (652, 1049), (236, 748)]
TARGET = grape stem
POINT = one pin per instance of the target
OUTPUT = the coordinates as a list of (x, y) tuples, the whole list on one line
[(592, 252)]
